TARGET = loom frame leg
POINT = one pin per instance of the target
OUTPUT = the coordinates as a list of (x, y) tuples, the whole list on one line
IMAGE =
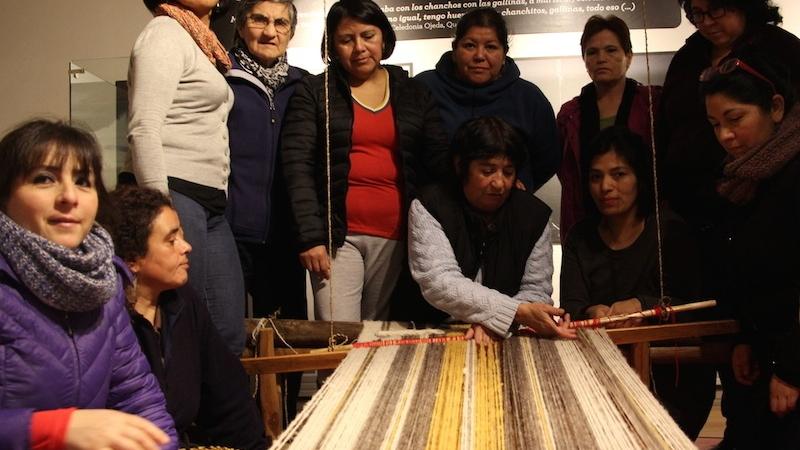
[(269, 392), (638, 356)]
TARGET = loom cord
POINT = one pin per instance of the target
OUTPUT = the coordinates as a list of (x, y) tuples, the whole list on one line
[(364, 402), (393, 433), (521, 393), (444, 424), (389, 395), (415, 435), (656, 193), (564, 410), (329, 215)]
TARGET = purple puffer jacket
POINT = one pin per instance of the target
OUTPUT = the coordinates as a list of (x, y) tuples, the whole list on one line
[(52, 359)]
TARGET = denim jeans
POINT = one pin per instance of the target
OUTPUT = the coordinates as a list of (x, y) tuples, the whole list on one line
[(215, 272)]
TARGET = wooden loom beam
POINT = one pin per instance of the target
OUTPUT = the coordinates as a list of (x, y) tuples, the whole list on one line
[(293, 363), (635, 343), (673, 331), (637, 338)]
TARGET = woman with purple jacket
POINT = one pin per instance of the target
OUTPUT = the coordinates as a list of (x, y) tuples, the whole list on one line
[(72, 373)]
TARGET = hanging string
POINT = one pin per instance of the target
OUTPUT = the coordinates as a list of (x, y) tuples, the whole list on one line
[(661, 296), (327, 61)]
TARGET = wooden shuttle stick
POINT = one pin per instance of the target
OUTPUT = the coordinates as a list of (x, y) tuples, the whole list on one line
[(658, 311)]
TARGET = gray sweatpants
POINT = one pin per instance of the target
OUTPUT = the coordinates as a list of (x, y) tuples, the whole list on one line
[(365, 271)]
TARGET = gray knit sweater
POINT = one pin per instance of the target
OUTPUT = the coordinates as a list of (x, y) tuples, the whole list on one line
[(434, 266), (178, 106)]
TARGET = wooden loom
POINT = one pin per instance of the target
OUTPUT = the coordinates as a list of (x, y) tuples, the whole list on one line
[(304, 335), (635, 343)]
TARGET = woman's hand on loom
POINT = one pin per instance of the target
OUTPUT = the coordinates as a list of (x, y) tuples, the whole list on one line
[(628, 306), (745, 369), (782, 396), (316, 260), (539, 317), (105, 428), (481, 335)]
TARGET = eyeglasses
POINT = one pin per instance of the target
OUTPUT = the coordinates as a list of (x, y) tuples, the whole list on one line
[(729, 66), (259, 22), (696, 16)]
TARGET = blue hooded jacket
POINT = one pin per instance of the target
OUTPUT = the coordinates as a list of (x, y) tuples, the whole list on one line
[(511, 98)]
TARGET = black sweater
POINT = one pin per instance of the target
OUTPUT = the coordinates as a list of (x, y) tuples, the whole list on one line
[(593, 274), (204, 383), (761, 258), (421, 145)]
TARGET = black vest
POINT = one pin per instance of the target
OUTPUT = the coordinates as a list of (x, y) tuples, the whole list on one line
[(500, 246)]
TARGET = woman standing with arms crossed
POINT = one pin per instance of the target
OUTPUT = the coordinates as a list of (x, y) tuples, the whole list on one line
[(178, 105), (385, 140)]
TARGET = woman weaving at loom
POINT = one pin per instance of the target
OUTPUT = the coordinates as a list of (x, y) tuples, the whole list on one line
[(480, 248), (751, 107), (611, 261)]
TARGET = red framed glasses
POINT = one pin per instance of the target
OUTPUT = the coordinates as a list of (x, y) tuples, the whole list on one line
[(729, 66)]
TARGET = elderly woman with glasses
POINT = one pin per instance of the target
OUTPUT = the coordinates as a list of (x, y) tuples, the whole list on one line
[(263, 81), (752, 110), (688, 152)]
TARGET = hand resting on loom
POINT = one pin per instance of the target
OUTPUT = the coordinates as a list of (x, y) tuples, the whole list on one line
[(619, 307), (478, 246)]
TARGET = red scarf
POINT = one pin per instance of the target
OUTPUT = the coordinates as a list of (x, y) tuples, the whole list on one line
[(200, 32)]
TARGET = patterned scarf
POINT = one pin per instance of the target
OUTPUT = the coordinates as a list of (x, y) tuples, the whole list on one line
[(743, 174), (69, 280), (272, 77), (200, 32)]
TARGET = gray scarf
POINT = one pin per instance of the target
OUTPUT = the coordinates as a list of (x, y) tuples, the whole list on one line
[(272, 77), (70, 280)]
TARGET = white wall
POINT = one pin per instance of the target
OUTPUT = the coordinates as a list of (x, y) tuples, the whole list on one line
[(39, 39)]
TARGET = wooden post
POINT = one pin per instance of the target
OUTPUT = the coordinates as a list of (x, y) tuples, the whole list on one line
[(269, 391), (639, 359)]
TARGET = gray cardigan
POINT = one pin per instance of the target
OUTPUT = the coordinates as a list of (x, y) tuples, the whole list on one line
[(178, 105), (434, 267)]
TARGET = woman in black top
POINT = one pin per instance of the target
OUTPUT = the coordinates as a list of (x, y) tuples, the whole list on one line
[(204, 383), (610, 262), (751, 108)]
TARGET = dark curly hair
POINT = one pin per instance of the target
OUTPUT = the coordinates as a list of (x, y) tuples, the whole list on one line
[(757, 13), (130, 219)]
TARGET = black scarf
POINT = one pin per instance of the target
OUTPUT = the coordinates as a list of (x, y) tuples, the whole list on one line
[(590, 116)]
